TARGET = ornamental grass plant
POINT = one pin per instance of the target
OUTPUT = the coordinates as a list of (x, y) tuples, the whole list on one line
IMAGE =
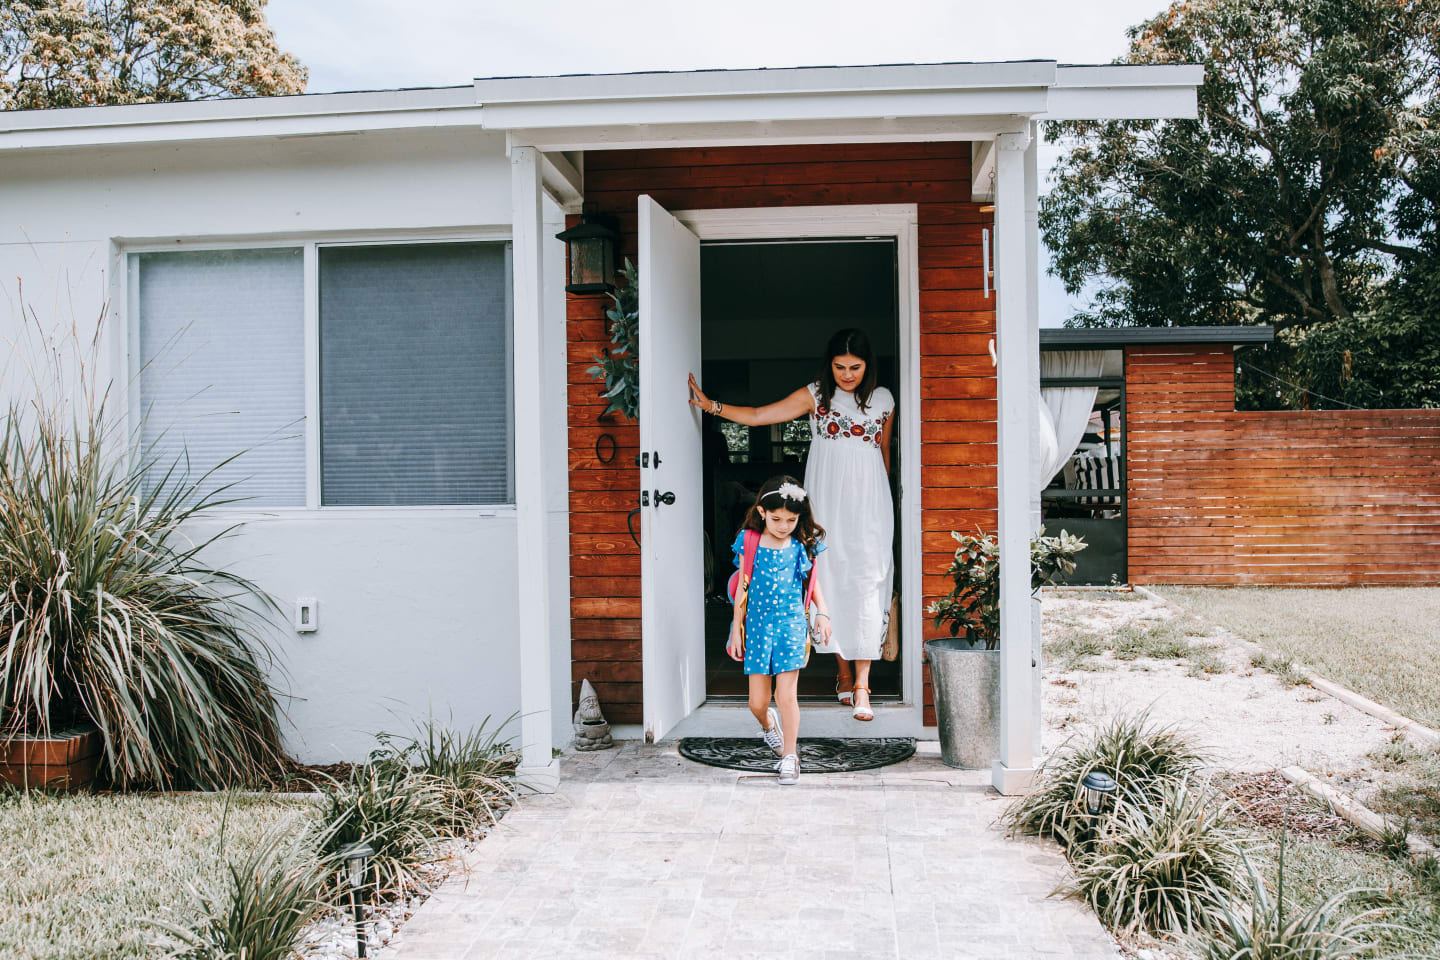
[(272, 895), (401, 814), (1260, 927), (473, 770), (112, 616), (1145, 759), (1161, 864)]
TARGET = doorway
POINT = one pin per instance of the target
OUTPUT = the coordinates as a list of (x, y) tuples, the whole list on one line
[(767, 309), (675, 553)]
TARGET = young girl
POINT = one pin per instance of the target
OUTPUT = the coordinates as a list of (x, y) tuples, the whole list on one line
[(775, 624)]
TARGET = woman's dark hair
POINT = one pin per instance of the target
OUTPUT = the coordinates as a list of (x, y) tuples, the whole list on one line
[(855, 343), (770, 498)]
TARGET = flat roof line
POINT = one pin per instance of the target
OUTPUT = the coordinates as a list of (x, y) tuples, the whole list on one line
[(1076, 338)]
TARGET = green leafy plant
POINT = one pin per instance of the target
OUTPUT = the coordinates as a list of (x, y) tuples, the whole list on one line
[(1161, 864), (473, 770), (273, 894), (1258, 926), (1144, 759), (973, 606), (111, 615), (619, 365), (399, 813)]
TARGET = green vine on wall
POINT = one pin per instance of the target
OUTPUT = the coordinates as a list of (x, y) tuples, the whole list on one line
[(619, 365)]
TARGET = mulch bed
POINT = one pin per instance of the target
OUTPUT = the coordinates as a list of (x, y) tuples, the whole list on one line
[(1269, 801), (300, 777)]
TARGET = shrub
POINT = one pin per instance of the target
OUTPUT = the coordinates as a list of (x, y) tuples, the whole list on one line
[(111, 617), (273, 895), (1144, 760), (473, 771), (1261, 929), (1163, 864), (399, 813), (973, 605)]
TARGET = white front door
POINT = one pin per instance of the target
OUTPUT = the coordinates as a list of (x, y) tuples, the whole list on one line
[(672, 559)]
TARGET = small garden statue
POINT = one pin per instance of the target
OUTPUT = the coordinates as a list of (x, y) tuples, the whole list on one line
[(592, 731)]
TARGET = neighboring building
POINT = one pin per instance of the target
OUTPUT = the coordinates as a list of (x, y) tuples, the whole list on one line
[(364, 290)]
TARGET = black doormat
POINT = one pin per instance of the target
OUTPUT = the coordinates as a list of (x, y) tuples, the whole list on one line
[(817, 754)]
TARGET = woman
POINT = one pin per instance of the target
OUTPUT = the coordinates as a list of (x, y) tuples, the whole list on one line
[(847, 475)]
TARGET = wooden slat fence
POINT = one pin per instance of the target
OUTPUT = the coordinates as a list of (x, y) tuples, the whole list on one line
[(1226, 497)]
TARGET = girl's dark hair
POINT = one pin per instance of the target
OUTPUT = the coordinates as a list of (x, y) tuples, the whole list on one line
[(807, 530), (856, 344)]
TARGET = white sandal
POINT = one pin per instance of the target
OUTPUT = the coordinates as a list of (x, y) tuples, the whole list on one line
[(862, 713), (843, 693)]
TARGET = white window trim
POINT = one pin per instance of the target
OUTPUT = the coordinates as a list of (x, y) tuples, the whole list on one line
[(127, 350)]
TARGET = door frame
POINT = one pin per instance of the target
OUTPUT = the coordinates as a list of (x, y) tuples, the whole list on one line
[(897, 221)]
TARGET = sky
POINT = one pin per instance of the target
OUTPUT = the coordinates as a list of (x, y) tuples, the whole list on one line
[(378, 44)]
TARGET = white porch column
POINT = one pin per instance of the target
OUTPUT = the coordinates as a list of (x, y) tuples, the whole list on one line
[(1013, 251), (538, 770), (1032, 334)]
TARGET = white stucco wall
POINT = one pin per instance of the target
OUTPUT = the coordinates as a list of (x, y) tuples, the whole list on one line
[(418, 608)]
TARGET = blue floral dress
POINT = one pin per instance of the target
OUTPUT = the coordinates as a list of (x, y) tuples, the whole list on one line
[(775, 623)]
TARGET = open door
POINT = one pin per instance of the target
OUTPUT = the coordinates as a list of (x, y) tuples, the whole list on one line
[(672, 561)]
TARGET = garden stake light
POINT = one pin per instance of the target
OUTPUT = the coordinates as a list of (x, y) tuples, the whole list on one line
[(357, 858), (1099, 794), (1099, 788)]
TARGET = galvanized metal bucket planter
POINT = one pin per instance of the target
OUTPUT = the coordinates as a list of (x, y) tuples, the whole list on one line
[(967, 701)]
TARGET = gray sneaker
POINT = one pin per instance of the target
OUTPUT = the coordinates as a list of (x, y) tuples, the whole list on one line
[(789, 767), (774, 737)]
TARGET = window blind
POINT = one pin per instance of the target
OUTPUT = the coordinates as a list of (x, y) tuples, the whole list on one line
[(414, 375), (221, 352)]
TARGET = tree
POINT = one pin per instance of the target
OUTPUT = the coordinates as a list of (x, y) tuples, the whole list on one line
[(79, 53), (1302, 195)]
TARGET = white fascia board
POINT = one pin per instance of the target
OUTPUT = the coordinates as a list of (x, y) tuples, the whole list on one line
[(307, 115), (770, 82), (644, 136), (774, 108), (1125, 92)]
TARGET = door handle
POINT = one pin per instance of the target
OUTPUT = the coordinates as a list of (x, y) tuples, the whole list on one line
[(664, 499)]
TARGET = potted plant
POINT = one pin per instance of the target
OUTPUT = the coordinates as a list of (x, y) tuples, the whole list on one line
[(124, 654), (965, 667)]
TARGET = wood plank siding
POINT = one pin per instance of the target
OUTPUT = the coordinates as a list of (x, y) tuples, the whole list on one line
[(1226, 497), (957, 380)]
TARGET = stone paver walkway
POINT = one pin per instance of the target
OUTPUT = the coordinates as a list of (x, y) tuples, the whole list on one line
[(645, 855)]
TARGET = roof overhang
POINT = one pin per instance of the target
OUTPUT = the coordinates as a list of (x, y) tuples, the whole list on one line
[(957, 101), (1113, 338)]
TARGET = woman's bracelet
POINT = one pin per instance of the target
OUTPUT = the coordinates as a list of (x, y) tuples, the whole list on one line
[(715, 407), (819, 615)]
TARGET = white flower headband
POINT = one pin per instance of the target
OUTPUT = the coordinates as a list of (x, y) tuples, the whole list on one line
[(791, 491)]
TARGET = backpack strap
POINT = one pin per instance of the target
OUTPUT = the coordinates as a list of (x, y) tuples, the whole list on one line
[(810, 581), (752, 546)]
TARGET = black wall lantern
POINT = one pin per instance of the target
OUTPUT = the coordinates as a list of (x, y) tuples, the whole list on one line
[(591, 248)]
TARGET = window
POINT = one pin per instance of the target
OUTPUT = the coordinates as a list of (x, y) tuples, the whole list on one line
[(414, 375), (221, 363), (411, 378)]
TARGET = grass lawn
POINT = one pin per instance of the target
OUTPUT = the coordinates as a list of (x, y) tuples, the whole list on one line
[(1316, 870), (1382, 642), (80, 874)]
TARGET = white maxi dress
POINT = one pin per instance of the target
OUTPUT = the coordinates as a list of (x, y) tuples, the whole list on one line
[(849, 492)]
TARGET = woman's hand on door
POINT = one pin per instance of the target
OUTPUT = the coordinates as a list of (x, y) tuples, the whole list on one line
[(798, 404), (698, 398)]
